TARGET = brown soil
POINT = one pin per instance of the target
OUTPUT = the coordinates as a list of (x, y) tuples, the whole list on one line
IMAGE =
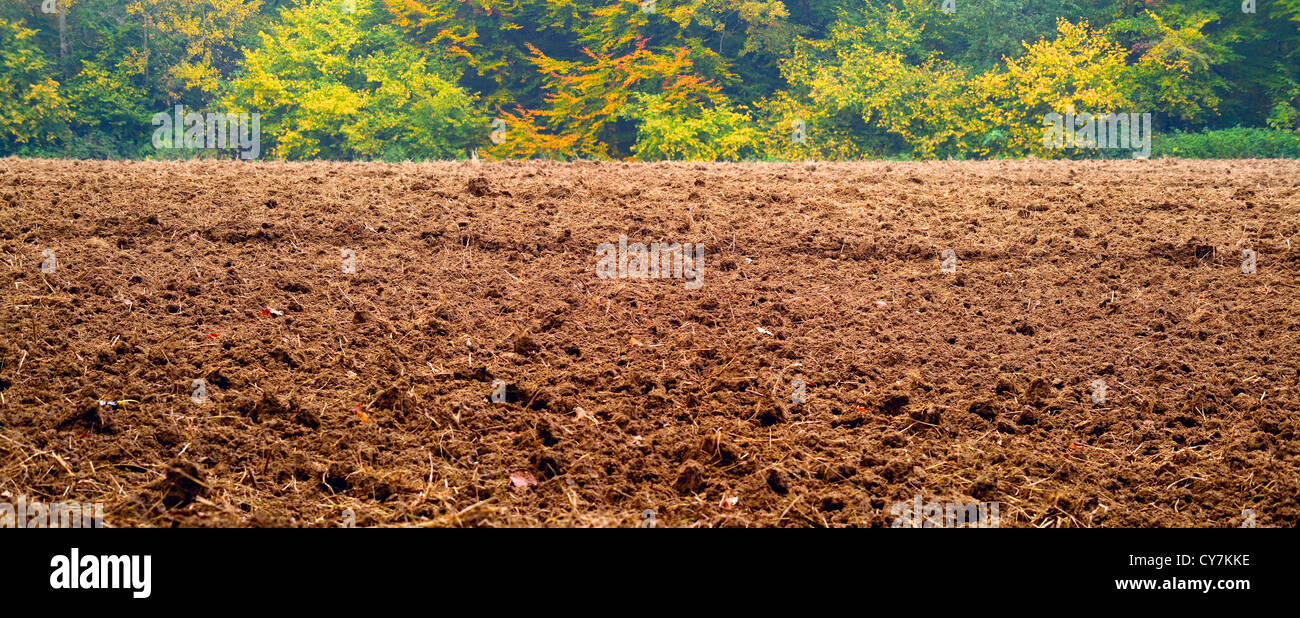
[(371, 391)]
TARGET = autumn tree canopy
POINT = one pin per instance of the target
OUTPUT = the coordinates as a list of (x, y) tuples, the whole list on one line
[(642, 79)]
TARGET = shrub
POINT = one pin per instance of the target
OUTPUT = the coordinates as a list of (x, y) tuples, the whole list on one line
[(1235, 143)]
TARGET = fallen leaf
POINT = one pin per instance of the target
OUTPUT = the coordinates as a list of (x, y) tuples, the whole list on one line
[(523, 479)]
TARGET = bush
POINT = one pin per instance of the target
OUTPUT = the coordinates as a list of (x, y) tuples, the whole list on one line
[(1236, 143), (33, 115), (331, 84), (713, 134)]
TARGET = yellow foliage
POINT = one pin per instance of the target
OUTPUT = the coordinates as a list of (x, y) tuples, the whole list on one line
[(1079, 71)]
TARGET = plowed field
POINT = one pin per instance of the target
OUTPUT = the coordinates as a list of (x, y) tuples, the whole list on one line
[(431, 345)]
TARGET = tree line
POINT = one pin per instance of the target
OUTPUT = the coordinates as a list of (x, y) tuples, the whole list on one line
[(648, 79)]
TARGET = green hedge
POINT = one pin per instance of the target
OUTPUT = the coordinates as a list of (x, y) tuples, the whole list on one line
[(1237, 143)]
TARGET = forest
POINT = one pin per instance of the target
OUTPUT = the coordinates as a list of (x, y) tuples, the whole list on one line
[(643, 80)]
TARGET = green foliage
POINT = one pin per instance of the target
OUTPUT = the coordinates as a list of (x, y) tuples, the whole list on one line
[(335, 85), (106, 103), (1175, 73), (1236, 143), (874, 89), (190, 44), (33, 113), (982, 33), (642, 79), (665, 131), (1079, 71)]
